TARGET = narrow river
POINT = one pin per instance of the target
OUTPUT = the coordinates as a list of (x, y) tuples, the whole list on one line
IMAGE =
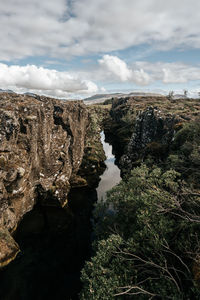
[(111, 175)]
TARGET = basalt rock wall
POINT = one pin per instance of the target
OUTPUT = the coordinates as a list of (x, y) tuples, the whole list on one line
[(153, 134), (41, 148), (141, 127)]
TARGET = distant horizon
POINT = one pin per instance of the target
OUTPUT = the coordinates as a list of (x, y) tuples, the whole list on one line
[(113, 93)]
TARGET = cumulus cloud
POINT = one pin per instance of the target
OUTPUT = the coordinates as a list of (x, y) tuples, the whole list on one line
[(115, 66), (63, 28), (43, 81), (112, 69), (117, 69), (175, 72)]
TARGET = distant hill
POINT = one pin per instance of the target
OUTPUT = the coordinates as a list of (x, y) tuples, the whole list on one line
[(7, 91), (99, 98)]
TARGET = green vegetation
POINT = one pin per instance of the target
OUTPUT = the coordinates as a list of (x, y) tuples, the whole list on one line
[(147, 243), (147, 232), (124, 111), (170, 95), (185, 153)]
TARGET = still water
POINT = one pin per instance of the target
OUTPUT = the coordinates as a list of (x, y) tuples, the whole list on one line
[(111, 175)]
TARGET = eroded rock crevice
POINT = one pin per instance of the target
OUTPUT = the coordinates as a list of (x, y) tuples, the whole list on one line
[(42, 145), (51, 158)]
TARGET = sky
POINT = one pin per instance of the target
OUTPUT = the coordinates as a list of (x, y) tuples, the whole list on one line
[(77, 48)]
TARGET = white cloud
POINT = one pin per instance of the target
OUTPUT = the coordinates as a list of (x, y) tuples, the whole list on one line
[(115, 66), (112, 69), (117, 69), (175, 72), (63, 28), (43, 81), (140, 77)]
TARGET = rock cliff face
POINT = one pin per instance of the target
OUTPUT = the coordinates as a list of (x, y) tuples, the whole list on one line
[(125, 111), (42, 145), (153, 135)]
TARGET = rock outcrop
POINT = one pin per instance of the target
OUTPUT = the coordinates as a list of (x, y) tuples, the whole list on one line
[(124, 112), (153, 135), (42, 145), (93, 160)]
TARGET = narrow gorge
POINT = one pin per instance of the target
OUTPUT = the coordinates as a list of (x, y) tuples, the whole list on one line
[(58, 159), (51, 161)]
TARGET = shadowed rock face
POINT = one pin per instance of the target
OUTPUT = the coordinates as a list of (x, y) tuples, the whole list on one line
[(151, 126), (153, 134), (41, 148)]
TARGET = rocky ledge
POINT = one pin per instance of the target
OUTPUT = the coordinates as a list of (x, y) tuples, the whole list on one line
[(41, 149)]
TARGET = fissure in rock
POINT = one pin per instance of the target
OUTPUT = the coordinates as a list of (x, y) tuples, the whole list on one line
[(54, 243)]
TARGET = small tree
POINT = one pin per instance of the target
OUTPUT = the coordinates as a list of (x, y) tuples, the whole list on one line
[(170, 95), (186, 93)]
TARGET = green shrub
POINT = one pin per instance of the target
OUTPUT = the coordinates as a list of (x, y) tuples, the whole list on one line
[(186, 149), (147, 240), (190, 132)]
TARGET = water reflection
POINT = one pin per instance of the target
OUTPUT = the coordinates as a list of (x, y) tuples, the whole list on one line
[(111, 175)]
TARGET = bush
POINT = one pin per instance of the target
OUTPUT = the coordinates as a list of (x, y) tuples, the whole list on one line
[(186, 148), (147, 240)]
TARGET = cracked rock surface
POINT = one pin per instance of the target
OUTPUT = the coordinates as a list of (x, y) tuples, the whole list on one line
[(152, 131), (41, 148)]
